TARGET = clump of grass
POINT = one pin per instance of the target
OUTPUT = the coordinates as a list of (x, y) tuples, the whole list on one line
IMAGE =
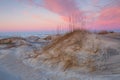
[(10, 40), (68, 60), (5, 41), (48, 38)]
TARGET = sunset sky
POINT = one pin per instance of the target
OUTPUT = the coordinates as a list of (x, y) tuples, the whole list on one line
[(41, 15)]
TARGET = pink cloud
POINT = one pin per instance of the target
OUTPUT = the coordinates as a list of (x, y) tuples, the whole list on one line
[(62, 7), (109, 18), (95, 1)]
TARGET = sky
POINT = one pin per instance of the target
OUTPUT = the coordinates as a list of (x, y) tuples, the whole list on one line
[(46, 15)]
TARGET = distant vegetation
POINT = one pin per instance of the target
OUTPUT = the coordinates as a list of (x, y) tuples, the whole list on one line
[(105, 32)]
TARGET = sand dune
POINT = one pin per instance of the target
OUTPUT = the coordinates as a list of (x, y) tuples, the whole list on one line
[(78, 55)]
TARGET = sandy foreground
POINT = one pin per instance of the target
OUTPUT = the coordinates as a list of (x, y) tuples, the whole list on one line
[(61, 57)]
